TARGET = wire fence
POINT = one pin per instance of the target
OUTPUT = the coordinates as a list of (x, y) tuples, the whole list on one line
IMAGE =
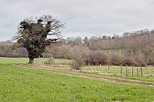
[(122, 70), (129, 71)]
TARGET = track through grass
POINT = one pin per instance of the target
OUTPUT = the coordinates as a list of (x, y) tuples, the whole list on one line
[(94, 75)]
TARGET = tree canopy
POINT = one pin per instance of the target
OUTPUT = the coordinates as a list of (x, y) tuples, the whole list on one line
[(33, 34)]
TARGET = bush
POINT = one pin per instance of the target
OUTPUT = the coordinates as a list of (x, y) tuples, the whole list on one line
[(78, 60), (75, 65), (98, 57), (140, 62), (49, 61), (116, 59), (91, 59), (128, 61), (151, 62), (81, 57), (102, 58)]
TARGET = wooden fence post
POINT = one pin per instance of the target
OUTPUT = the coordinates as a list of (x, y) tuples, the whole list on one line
[(137, 72), (126, 70), (121, 70), (93, 68), (152, 71), (132, 71), (96, 68), (109, 69), (141, 72), (89, 66), (100, 68), (147, 72)]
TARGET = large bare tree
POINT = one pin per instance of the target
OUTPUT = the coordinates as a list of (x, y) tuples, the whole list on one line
[(33, 34)]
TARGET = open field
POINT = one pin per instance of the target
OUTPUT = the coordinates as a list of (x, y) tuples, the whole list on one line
[(5, 60), (22, 82), (93, 73)]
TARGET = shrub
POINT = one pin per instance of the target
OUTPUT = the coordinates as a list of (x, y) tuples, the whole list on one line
[(75, 65), (101, 58), (151, 62), (78, 60), (98, 57), (91, 59), (128, 61), (140, 62), (116, 59), (49, 61), (85, 56)]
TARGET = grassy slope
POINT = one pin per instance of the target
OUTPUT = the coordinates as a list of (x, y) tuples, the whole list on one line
[(21, 84)]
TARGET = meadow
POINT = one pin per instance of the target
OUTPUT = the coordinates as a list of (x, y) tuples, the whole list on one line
[(28, 83)]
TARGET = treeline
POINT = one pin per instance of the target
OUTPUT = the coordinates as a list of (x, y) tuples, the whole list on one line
[(108, 42), (10, 49), (132, 48), (136, 55), (135, 48)]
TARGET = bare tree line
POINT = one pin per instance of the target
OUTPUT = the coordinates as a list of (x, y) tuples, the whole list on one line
[(131, 48), (10, 49)]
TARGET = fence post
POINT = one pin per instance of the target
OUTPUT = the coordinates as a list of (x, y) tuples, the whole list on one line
[(89, 66), (49, 63), (147, 72), (137, 72), (109, 69), (100, 68), (126, 70), (96, 68), (152, 71), (141, 72), (121, 70), (93, 68), (132, 71), (58, 65)]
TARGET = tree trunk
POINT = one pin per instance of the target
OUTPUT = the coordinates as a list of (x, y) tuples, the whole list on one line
[(31, 60)]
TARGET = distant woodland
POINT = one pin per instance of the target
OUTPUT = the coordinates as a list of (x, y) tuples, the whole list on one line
[(132, 48)]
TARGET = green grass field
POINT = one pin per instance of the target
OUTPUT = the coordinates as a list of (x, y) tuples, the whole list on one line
[(5, 60), (18, 84)]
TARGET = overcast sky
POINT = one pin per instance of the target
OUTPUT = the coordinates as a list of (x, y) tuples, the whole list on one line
[(81, 17)]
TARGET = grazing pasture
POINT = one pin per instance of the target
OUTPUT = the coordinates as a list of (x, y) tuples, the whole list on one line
[(22, 82)]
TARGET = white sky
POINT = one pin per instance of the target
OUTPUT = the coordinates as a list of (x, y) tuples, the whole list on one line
[(81, 17)]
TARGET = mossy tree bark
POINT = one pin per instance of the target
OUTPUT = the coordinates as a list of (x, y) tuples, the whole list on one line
[(31, 60)]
